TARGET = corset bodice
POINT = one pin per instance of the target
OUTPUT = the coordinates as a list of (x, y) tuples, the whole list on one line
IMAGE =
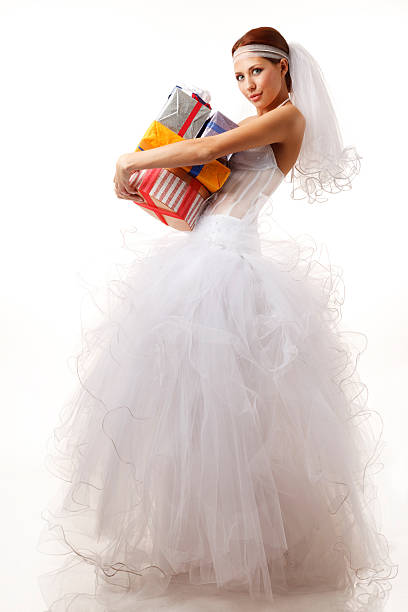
[(254, 177)]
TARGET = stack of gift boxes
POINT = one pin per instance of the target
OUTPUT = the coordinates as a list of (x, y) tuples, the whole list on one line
[(178, 196)]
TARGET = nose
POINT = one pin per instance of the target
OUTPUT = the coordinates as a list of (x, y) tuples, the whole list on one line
[(250, 85)]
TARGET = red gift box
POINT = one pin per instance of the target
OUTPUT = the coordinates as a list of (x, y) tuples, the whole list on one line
[(171, 195)]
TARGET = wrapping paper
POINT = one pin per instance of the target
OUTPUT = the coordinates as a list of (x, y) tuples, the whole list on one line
[(212, 175), (184, 113), (217, 124), (172, 196)]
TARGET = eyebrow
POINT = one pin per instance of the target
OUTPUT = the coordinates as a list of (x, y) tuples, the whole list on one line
[(253, 66)]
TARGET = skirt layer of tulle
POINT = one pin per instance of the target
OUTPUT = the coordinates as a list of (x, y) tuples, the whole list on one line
[(220, 433)]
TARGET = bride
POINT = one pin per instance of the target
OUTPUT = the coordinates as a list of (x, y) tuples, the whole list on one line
[(219, 434)]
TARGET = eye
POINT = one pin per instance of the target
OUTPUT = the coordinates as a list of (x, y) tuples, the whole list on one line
[(240, 75)]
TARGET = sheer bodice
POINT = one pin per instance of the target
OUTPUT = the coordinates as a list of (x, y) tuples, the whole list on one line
[(254, 176), (230, 218)]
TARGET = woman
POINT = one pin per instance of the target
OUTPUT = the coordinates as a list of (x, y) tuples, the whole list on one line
[(217, 434)]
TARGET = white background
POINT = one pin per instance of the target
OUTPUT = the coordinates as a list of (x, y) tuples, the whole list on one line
[(81, 81)]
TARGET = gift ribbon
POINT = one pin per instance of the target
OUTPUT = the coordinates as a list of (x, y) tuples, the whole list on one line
[(152, 206), (197, 97), (190, 118), (190, 194), (192, 93), (211, 125)]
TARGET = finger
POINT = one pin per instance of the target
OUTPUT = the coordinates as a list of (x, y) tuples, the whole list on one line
[(135, 197), (123, 190), (124, 195), (118, 191), (128, 190), (133, 177)]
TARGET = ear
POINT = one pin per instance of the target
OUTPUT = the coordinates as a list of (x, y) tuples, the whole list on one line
[(284, 66)]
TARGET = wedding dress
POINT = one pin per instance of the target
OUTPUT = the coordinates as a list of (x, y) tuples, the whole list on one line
[(220, 433)]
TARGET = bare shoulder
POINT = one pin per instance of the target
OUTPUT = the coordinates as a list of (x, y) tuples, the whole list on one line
[(293, 113), (290, 110), (297, 124), (300, 118)]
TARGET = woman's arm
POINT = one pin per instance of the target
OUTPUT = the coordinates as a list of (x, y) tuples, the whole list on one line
[(188, 152), (271, 127)]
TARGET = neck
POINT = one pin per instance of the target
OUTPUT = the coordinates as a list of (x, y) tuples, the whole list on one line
[(277, 102)]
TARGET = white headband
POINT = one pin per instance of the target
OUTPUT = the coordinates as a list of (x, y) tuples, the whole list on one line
[(261, 50)]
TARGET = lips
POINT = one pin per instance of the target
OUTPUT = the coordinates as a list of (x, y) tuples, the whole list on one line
[(254, 96)]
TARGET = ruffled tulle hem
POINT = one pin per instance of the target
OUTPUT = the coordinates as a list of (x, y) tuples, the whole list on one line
[(220, 434), (315, 184)]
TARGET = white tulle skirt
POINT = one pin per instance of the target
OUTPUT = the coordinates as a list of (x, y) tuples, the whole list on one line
[(219, 434)]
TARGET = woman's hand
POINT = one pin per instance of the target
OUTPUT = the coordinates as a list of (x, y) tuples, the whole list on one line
[(125, 170)]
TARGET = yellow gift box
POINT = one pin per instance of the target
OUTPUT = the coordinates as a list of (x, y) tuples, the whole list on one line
[(212, 175)]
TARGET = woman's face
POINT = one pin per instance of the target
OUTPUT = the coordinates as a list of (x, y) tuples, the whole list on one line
[(257, 75)]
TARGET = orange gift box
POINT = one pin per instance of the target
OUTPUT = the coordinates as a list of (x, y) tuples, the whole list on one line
[(212, 175)]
